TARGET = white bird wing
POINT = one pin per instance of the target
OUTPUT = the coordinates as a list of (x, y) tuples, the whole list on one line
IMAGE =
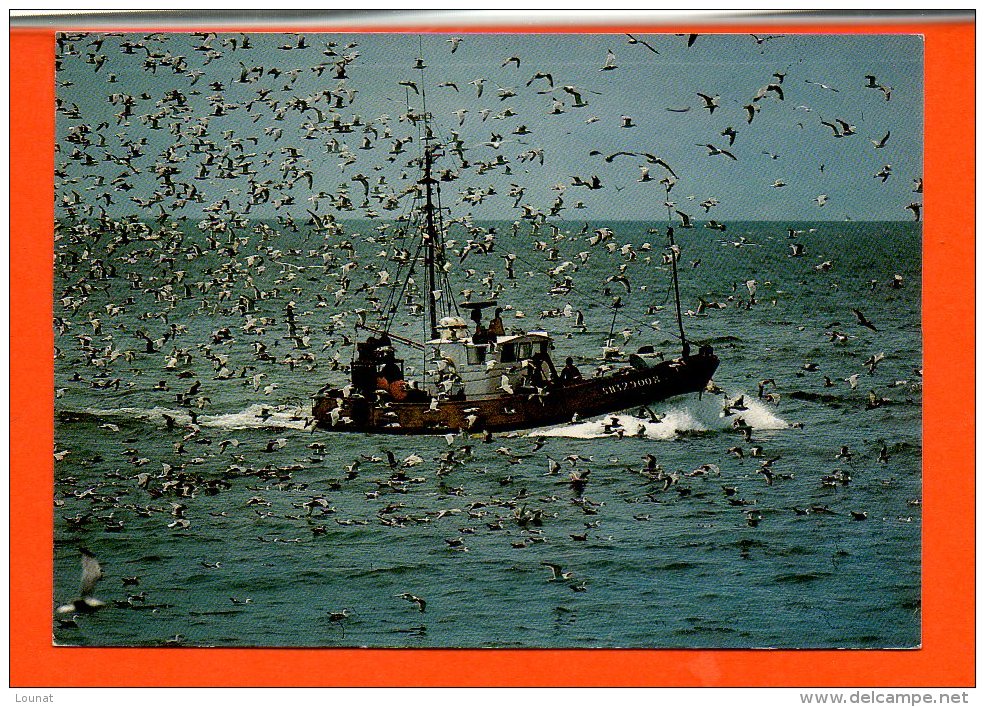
[(92, 572)]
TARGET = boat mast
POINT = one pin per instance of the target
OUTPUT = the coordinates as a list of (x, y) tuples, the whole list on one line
[(430, 236), (430, 229), (685, 347), (674, 251)]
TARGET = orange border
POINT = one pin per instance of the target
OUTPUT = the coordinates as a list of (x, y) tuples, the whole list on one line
[(947, 655)]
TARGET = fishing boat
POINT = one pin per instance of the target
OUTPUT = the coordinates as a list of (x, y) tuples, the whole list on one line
[(478, 378)]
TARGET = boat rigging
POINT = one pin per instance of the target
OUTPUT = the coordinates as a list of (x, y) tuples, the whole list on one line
[(480, 377)]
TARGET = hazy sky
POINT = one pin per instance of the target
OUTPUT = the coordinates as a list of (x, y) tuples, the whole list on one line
[(201, 119)]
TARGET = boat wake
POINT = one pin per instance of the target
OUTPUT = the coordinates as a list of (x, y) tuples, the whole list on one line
[(673, 419), (253, 417), (259, 416)]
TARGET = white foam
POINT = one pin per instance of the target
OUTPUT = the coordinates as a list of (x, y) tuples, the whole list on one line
[(257, 416), (759, 415), (155, 414), (253, 417), (675, 418), (631, 426)]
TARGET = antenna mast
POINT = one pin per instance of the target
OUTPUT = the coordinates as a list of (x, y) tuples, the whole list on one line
[(430, 229), (430, 236), (674, 250)]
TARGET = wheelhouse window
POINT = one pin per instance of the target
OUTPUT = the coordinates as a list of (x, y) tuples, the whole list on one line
[(508, 353)]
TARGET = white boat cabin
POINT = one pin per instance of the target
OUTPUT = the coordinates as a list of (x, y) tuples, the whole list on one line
[(492, 366)]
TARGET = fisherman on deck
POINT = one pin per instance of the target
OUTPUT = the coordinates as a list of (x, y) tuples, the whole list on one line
[(496, 327), (477, 317), (390, 372), (482, 335), (391, 369), (367, 350), (570, 373), (538, 371)]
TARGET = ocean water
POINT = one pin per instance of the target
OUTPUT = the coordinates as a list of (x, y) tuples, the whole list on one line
[(184, 464)]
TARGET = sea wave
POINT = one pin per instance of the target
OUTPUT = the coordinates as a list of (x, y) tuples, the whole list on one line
[(672, 420), (253, 417)]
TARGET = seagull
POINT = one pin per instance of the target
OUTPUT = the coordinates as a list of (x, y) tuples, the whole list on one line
[(884, 173), (763, 40), (862, 320), (92, 572), (712, 150), (821, 85), (879, 144), (542, 75), (873, 361), (685, 219), (505, 385), (634, 40), (579, 103), (774, 87), (711, 102), (837, 131), (751, 110), (337, 617), (610, 61), (872, 83), (421, 603), (884, 454), (556, 572), (653, 159), (846, 128)]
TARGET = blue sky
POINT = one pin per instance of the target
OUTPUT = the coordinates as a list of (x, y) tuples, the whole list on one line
[(787, 162)]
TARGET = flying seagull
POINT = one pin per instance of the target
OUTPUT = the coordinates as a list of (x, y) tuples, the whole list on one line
[(610, 61), (91, 574), (421, 603), (862, 320), (711, 102), (634, 40)]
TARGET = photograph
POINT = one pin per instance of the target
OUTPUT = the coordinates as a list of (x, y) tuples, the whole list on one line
[(488, 340), (453, 351)]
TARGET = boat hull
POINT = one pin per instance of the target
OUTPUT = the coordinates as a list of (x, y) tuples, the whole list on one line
[(627, 388)]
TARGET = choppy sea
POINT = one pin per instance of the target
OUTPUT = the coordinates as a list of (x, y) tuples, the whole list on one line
[(185, 463)]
